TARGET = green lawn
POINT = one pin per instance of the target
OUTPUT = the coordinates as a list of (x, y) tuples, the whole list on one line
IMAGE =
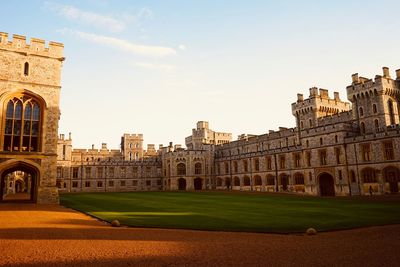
[(236, 211)]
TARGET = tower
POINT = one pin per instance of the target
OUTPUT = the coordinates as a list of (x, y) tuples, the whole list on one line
[(30, 76), (375, 102)]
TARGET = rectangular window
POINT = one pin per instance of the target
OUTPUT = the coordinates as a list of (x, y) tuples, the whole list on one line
[(322, 157), (88, 171), (75, 171), (366, 152), (256, 165), (148, 183), (59, 172), (122, 183), (282, 162), (135, 171), (296, 159), (388, 149), (245, 166), (87, 184), (226, 167), (269, 163), (100, 172), (74, 184), (134, 182), (158, 182), (111, 183), (337, 154), (99, 184), (308, 158)]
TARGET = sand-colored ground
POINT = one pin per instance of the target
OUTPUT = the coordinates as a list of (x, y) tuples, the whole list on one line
[(50, 235)]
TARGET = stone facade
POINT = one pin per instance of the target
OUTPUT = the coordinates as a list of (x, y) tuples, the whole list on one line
[(30, 76), (108, 170), (336, 149)]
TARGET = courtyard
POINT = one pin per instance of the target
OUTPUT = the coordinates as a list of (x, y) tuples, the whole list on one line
[(237, 211), (51, 235)]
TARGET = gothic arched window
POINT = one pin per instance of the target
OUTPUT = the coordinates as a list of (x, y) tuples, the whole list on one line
[(22, 125), (26, 69), (391, 112)]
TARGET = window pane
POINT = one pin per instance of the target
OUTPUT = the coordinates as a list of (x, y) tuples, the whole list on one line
[(27, 127), (17, 127), (10, 110), (8, 129), (18, 110), (35, 128), (28, 112), (36, 112)]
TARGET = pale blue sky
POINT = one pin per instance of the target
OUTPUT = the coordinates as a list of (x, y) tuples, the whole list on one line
[(157, 67)]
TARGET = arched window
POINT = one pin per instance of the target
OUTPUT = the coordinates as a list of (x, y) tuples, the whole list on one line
[(361, 111), (375, 110), (197, 168), (391, 112), (26, 69), (235, 166), (22, 125), (368, 175), (310, 122), (301, 125), (181, 169)]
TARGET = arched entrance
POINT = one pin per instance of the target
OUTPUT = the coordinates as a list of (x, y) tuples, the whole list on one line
[(392, 176), (198, 183), (284, 182), (19, 183), (182, 184), (326, 185)]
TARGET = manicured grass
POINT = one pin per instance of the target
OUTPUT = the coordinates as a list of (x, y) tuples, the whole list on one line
[(236, 211)]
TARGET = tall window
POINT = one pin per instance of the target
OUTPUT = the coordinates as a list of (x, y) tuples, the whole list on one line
[(235, 166), (256, 165), (226, 167), (308, 158), (298, 178), (88, 171), (282, 162), (26, 69), (376, 123), (197, 168), (296, 159), (269, 163), (181, 169), (361, 111), (388, 150), (22, 126), (391, 112), (245, 166), (322, 157), (366, 152), (362, 128), (337, 154), (374, 108)]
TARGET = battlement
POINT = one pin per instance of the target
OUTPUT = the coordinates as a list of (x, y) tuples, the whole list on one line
[(34, 47), (362, 86), (136, 136)]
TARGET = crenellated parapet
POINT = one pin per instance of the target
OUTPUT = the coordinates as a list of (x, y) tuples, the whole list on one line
[(34, 47)]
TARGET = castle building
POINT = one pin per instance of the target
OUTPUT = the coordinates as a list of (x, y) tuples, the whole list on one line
[(337, 148), (30, 75)]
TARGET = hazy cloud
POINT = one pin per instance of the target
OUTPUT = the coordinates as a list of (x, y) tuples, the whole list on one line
[(143, 50), (151, 66), (110, 23), (182, 47)]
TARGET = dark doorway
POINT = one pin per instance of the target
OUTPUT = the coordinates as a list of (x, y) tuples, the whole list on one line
[(198, 184), (284, 182), (228, 183), (18, 183), (326, 185), (182, 184), (392, 176)]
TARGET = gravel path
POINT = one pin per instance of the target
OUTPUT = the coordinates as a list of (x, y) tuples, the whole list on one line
[(50, 235)]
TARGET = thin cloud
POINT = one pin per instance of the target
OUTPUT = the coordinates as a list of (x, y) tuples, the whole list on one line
[(143, 50), (109, 23), (159, 67)]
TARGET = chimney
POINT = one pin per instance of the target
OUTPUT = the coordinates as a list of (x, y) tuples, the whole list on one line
[(313, 91), (398, 74), (92, 146), (354, 78), (336, 96), (300, 98), (104, 146), (69, 134), (386, 73)]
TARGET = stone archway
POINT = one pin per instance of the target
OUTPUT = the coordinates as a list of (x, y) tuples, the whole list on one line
[(326, 185), (19, 183), (182, 184), (392, 176), (198, 183)]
